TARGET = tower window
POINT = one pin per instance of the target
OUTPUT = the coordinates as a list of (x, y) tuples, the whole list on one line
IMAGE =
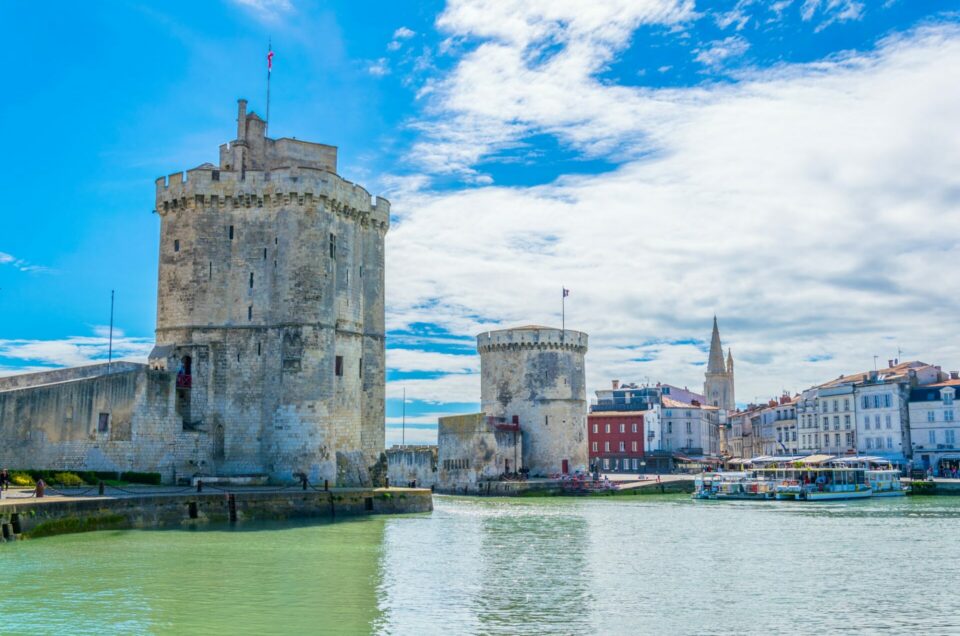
[(258, 348), (264, 253), (210, 271), (251, 280), (333, 245), (230, 232), (360, 367), (338, 366), (215, 175), (250, 312), (176, 245)]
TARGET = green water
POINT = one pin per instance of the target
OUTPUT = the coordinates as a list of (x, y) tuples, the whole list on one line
[(652, 565)]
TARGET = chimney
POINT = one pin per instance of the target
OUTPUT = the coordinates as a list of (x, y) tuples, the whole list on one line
[(955, 375), (241, 119), (616, 384), (890, 363)]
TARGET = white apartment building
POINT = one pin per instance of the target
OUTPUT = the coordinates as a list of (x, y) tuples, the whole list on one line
[(935, 426), (689, 428)]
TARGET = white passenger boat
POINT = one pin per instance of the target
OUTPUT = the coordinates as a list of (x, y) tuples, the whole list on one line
[(885, 483)]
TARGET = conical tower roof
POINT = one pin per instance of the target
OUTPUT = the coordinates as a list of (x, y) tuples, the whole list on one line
[(715, 361)]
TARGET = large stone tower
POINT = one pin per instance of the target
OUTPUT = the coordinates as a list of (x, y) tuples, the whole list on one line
[(270, 306), (536, 374), (718, 383)]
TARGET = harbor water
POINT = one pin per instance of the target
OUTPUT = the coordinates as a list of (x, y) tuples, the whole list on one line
[(616, 565)]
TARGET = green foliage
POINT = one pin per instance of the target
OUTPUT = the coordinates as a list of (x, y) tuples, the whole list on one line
[(68, 480), (22, 479), (922, 487)]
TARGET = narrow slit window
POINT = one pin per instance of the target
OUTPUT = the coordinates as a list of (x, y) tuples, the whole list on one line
[(230, 232), (338, 366), (258, 348), (333, 245), (251, 280), (360, 367), (210, 271), (264, 253), (249, 312), (176, 245)]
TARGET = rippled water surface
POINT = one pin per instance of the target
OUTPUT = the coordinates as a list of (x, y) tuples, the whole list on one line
[(653, 565)]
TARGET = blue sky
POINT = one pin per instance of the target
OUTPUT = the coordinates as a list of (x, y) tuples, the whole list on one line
[(789, 166)]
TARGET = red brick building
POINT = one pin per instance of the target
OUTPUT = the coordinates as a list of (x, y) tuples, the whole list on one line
[(615, 440)]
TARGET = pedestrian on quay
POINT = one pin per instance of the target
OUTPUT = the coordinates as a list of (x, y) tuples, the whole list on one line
[(4, 480), (41, 488)]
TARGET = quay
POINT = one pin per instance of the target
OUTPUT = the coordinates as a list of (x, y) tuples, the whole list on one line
[(23, 516), (619, 484)]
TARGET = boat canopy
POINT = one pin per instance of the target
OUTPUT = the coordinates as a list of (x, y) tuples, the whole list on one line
[(815, 460), (861, 459)]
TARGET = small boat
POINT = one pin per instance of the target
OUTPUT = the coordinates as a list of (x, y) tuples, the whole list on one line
[(800, 483)]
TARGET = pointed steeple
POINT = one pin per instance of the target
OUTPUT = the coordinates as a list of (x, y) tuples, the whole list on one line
[(729, 360), (715, 361)]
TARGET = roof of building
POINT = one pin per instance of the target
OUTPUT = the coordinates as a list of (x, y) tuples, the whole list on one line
[(677, 404), (615, 413), (715, 362), (897, 370)]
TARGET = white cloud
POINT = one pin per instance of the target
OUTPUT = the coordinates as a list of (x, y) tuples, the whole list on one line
[(831, 11), (71, 351), (814, 208), (716, 53), (737, 16), (267, 10), (379, 68), (403, 33), (417, 360), (21, 264)]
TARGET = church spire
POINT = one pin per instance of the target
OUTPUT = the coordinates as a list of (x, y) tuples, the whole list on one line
[(715, 361), (729, 360)]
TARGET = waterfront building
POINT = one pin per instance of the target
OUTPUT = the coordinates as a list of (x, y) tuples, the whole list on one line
[(269, 354), (690, 429), (935, 426), (477, 447), (718, 380), (780, 419), (616, 440)]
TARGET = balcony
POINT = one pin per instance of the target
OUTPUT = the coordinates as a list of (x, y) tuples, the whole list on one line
[(184, 381)]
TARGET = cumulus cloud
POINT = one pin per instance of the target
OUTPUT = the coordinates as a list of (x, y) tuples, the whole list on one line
[(813, 207), (831, 11), (379, 68)]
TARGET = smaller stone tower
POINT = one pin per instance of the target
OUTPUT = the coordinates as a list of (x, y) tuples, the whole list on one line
[(536, 375), (718, 383)]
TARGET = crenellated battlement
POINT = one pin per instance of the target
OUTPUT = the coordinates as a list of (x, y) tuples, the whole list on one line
[(533, 337), (207, 186)]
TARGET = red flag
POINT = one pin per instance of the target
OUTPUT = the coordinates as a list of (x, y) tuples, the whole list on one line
[(269, 61)]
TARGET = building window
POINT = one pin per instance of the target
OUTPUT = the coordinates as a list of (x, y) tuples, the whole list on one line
[(596, 428), (876, 422), (846, 421), (176, 245), (948, 397), (866, 422), (931, 416), (607, 428), (258, 348), (849, 439), (215, 175), (623, 428), (606, 464), (836, 422), (633, 446), (932, 437), (230, 232), (950, 436), (948, 415), (251, 280), (669, 427), (359, 367), (333, 245), (836, 406), (634, 427), (249, 312), (623, 447), (103, 423), (338, 366), (594, 447), (836, 439), (869, 443), (264, 253), (606, 447), (889, 442), (887, 401), (846, 404), (889, 422)]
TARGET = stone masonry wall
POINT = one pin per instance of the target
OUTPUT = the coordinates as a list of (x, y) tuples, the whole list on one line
[(538, 375)]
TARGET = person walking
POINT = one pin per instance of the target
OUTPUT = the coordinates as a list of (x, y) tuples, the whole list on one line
[(4, 480)]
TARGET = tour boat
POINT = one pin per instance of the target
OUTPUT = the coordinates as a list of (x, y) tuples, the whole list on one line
[(885, 483)]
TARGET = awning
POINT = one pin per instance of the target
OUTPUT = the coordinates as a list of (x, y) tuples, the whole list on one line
[(815, 460)]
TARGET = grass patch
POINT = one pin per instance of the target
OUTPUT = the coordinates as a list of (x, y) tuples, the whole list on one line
[(22, 479)]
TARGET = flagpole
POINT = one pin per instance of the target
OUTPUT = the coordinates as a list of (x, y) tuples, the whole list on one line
[(269, 69), (403, 434), (563, 308), (110, 345)]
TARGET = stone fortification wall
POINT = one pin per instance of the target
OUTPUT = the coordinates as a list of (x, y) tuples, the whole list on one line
[(58, 425), (537, 375), (271, 283), (471, 449), (39, 518), (25, 380), (407, 464)]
